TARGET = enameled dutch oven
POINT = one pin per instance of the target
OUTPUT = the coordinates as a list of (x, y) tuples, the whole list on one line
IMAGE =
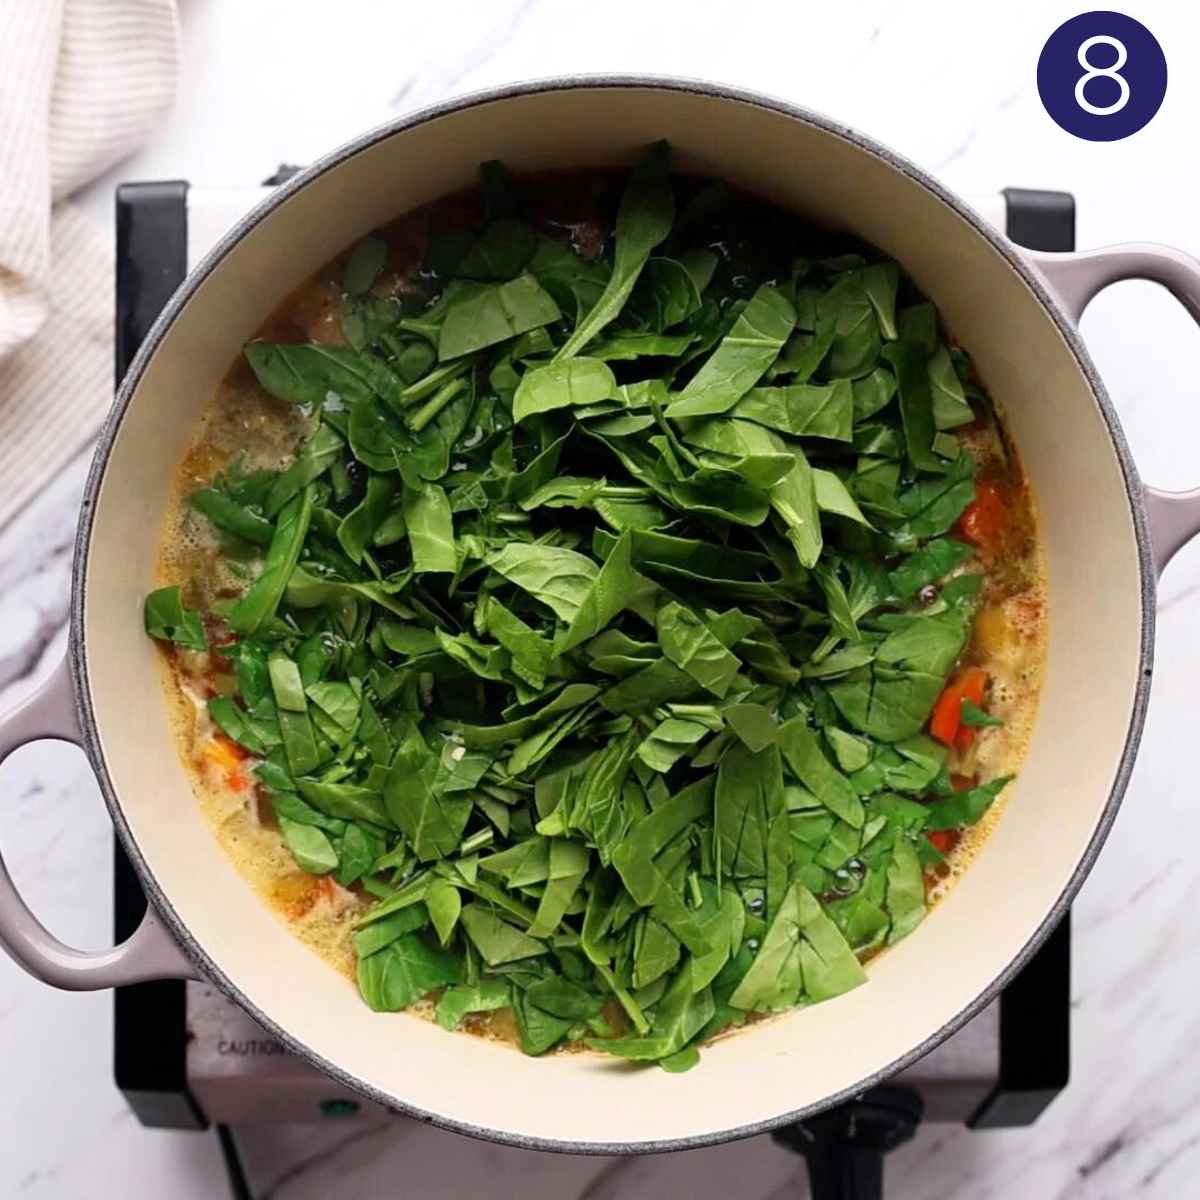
[(1106, 538)]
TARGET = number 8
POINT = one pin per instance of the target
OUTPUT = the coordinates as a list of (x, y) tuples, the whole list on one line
[(1091, 72)]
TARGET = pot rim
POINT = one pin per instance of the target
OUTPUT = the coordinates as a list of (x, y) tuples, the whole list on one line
[(77, 650)]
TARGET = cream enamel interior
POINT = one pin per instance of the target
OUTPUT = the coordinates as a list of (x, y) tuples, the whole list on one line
[(1095, 626)]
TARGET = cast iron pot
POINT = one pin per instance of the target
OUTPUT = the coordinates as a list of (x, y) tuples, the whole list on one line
[(1106, 537)]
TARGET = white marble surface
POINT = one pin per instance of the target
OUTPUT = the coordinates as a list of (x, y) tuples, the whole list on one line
[(951, 85)]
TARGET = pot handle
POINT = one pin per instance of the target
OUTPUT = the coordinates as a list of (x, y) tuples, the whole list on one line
[(150, 953), (1173, 517)]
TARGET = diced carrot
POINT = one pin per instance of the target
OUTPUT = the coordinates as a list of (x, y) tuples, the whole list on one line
[(943, 840), (946, 721), (225, 752), (983, 520), (296, 893)]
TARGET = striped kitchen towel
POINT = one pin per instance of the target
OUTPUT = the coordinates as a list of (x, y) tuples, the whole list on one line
[(81, 84)]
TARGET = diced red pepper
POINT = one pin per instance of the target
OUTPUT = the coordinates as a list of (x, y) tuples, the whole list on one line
[(943, 840), (964, 737), (225, 752), (945, 724), (983, 520)]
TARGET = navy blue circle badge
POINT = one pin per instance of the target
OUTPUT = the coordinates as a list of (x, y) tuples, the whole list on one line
[(1102, 76)]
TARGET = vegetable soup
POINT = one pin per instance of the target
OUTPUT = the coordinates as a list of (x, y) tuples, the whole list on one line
[(601, 609)]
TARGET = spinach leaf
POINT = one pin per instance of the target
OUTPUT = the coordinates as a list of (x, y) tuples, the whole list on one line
[(497, 941), (691, 646), (931, 506), (363, 266), (873, 393), (742, 358), (575, 283), (432, 818), (403, 972), (927, 565), (794, 498), (847, 310), (833, 496), (808, 763), (748, 801), (975, 718), (166, 618), (905, 901), (230, 516), (949, 401), (531, 653), (916, 404), (311, 849), (481, 315), (643, 221), (388, 930), (670, 740), (258, 605), (500, 252), (572, 383), (358, 526), (377, 437), (891, 699), (347, 801), (445, 907), (775, 980), (568, 864), (667, 292), (628, 346), (802, 410), (965, 808), (539, 1030), (803, 955), (617, 587), (357, 851), (430, 526), (340, 701), (562, 998), (561, 579), (679, 1017), (485, 996), (303, 373), (316, 456), (573, 696)]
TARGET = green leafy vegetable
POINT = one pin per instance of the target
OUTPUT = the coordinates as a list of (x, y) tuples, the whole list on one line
[(311, 849), (430, 525), (312, 374), (403, 972), (742, 358), (573, 383), (590, 632), (258, 605), (976, 718), (483, 314), (364, 265), (166, 618), (643, 221)]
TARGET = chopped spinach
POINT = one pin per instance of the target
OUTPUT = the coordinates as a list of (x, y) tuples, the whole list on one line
[(590, 631), (167, 619)]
